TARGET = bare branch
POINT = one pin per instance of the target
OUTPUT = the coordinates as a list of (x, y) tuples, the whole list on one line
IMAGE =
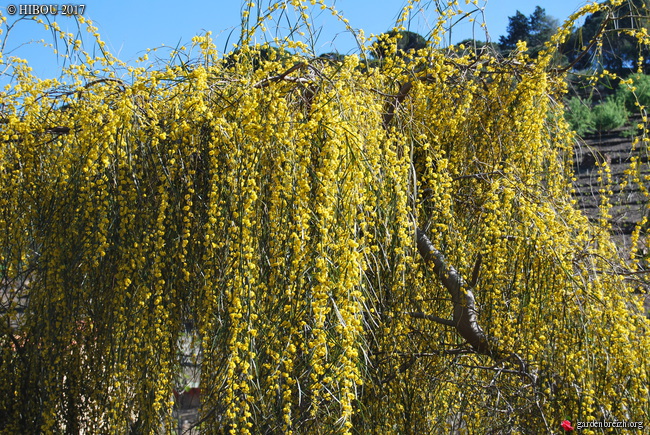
[(593, 42), (419, 315), (465, 314), (480, 176), (475, 272), (283, 76)]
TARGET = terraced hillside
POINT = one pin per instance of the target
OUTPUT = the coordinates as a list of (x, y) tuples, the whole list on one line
[(615, 148)]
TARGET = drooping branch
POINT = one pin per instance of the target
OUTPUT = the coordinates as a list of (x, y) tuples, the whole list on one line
[(465, 317), (591, 45)]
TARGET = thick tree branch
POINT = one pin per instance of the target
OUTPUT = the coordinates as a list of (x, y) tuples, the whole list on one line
[(395, 102), (465, 318)]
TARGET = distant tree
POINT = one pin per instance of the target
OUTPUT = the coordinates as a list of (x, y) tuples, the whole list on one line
[(518, 30), (256, 56), (542, 27), (334, 56), (535, 30), (619, 51), (474, 45)]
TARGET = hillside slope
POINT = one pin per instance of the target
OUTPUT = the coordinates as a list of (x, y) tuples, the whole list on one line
[(628, 204)]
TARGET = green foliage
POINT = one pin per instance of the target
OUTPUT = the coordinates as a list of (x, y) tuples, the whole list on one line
[(609, 114), (580, 116), (535, 30), (333, 56), (256, 57), (638, 94), (605, 116)]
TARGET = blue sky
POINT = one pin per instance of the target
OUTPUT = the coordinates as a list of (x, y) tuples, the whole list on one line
[(130, 27)]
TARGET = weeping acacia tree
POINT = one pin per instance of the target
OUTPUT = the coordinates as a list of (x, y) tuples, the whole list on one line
[(362, 250)]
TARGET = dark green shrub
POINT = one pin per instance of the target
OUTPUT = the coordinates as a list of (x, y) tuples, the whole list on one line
[(609, 114), (640, 95)]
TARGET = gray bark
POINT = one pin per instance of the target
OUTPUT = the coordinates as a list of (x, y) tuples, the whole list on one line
[(465, 316)]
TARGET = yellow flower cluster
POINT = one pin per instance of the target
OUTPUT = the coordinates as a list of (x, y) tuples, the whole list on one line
[(272, 203)]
